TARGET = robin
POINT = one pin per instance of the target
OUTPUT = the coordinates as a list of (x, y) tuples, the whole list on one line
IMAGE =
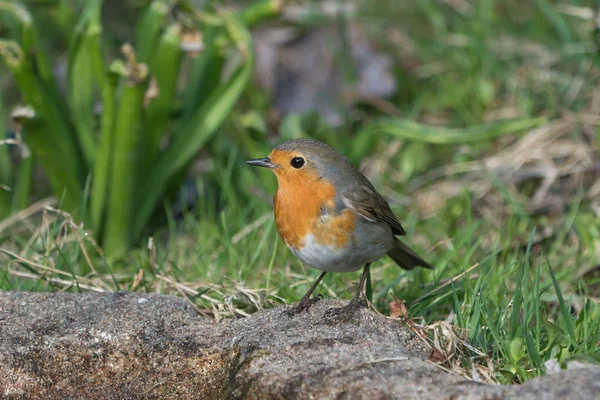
[(330, 216)]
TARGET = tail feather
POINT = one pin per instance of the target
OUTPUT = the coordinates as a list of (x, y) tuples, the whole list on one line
[(406, 258)]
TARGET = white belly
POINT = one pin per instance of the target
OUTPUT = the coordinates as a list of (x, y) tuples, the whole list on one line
[(347, 259)]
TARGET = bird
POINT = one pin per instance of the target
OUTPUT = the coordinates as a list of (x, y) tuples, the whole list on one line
[(331, 217)]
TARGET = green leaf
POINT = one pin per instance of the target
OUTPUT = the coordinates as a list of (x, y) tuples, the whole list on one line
[(205, 73), (59, 173), (517, 350), (30, 43), (532, 351), (411, 130), (56, 146), (85, 59), (103, 161), (261, 11), (555, 334), (198, 130), (124, 164), (149, 28)]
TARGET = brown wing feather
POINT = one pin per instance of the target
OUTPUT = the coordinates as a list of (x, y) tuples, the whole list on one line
[(371, 205)]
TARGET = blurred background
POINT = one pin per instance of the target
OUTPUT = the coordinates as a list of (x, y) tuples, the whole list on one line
[(124, 127)]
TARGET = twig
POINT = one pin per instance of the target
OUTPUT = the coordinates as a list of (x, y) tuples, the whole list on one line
[(57, 281), (26, 213)]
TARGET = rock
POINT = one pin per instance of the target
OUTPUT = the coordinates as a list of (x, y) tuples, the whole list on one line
[(128, 345), (107, 346)]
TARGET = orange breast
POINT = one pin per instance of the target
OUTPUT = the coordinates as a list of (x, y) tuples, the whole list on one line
[(335, 230), (298, 213)]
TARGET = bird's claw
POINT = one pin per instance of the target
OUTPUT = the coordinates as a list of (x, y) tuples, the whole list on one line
[(303, 305), (355, 304)]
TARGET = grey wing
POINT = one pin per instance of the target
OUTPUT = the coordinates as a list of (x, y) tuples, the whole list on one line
[(372, 206)]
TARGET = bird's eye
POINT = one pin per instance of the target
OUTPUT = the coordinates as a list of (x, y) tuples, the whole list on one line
[(297, 162)]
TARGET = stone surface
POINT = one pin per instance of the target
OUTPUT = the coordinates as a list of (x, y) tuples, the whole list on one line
[(129, 346)]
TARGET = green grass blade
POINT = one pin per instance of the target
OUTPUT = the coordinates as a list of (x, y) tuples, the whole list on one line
[(261, 244), (460, 317), (22, 185), (6, 173), (474, 318), (515, 317), (415, 131), (556, 19), (124, 162), (518, 310), (5, 198), (165, 69), (5, 201), (532, 352), (536, 307), (594, 328), (563, 309), (5, 161), (272, 260)]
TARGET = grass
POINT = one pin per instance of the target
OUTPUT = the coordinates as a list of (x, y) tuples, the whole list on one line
[(510, 219)]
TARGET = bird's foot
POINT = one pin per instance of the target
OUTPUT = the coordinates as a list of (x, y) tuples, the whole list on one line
[(303, 305), (349, 310)]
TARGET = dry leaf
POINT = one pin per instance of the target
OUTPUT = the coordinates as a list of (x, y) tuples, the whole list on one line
[(398, 309)]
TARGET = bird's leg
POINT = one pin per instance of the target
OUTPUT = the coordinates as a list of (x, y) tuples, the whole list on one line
[(306, 301), (356, 301), (363, 279)]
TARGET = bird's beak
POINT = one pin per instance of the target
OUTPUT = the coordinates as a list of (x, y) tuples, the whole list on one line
[(262, 162)]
